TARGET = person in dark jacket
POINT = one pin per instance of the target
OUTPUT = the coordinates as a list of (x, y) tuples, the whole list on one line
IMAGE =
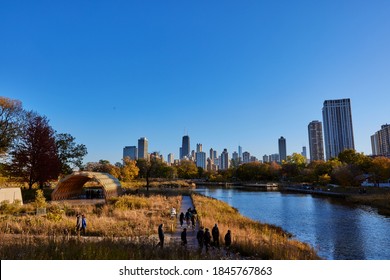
[(207, 239), (83, 224), (181, 218), (215, 234), (200, 237), (161, 236), (184, 237), (228, 242), (188, 218)]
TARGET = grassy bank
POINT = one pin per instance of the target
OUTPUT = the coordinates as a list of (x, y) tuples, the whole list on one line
[(251, 238)]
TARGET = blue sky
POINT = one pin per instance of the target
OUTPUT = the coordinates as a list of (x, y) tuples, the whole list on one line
[(227, 72)]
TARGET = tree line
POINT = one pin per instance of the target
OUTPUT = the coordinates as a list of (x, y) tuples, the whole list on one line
[(350, 168)]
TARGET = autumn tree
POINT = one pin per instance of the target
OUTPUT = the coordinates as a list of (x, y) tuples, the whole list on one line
[(70, 154), (129, 169), (11, 115), (380, 169), (187, 169), (103, 166), (34, 159)]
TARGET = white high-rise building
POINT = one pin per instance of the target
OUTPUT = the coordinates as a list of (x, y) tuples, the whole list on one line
[(380, 142), (201, 160), (337, 118)]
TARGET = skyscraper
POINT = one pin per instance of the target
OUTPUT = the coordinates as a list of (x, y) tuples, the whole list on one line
[(380, 142), (131, 152), (199, 148), (171, 159), (316, 141), (246, 157), (143, 148), (201, 160), (185, 147), (239, 154), (282, 149), (337, 118), (224, 161), (212, 154)]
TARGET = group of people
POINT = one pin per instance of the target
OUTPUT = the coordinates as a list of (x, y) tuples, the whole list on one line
[(206, 239), (203, 236), (81, 224), (190, 217)]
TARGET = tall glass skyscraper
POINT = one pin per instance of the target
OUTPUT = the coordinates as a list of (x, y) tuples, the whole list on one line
[(143, 148), (282, 149), (338, 131), (185, 147)]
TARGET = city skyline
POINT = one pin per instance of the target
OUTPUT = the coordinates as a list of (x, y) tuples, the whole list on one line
[(229, 74)]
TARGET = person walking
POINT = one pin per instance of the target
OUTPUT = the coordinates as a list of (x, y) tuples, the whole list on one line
[(228, 242), (184, 237), (207, 239), (181, 218), (193, 221), (161, 236), (83, 224), (215, 234), (200, 238), (188, 218), (78, 223)]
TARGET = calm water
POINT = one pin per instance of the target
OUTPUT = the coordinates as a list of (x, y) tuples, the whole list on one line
[(336, 230)]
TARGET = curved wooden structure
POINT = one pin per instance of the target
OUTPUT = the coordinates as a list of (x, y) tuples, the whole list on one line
[(72, 185)]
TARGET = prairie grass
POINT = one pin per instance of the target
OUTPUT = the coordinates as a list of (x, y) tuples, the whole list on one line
[(25, 247), (250, 238), (126, 216)]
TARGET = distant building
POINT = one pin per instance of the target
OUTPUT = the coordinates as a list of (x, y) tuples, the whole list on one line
[(253, 159), (171, 159), (380, 142), (130, 152), (224, 160), (246, 157), (304, 152), (212, 154), (143, 148), (274, 158), (201, 160), (235, 157), (337, 118), (199, 148), (265, 158), (185, 147), (239, 154), (316, 141), (282, 149)]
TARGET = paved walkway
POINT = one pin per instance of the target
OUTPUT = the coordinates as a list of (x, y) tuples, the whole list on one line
[(191, 233)]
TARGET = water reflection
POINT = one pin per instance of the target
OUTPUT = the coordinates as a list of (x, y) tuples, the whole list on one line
[(335, 229)]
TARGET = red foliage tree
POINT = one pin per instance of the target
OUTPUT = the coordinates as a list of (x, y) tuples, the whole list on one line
[(35, 157)]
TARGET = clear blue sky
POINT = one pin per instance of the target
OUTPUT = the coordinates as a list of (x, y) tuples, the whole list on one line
[(228, 72)]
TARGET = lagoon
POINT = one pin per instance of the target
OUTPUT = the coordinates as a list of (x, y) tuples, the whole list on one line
[(337, 230)]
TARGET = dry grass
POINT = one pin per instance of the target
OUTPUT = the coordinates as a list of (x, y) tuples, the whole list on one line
[(251, 238), (130, 216)]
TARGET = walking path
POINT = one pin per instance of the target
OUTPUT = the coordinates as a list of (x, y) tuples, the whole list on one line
[(191, 233)]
